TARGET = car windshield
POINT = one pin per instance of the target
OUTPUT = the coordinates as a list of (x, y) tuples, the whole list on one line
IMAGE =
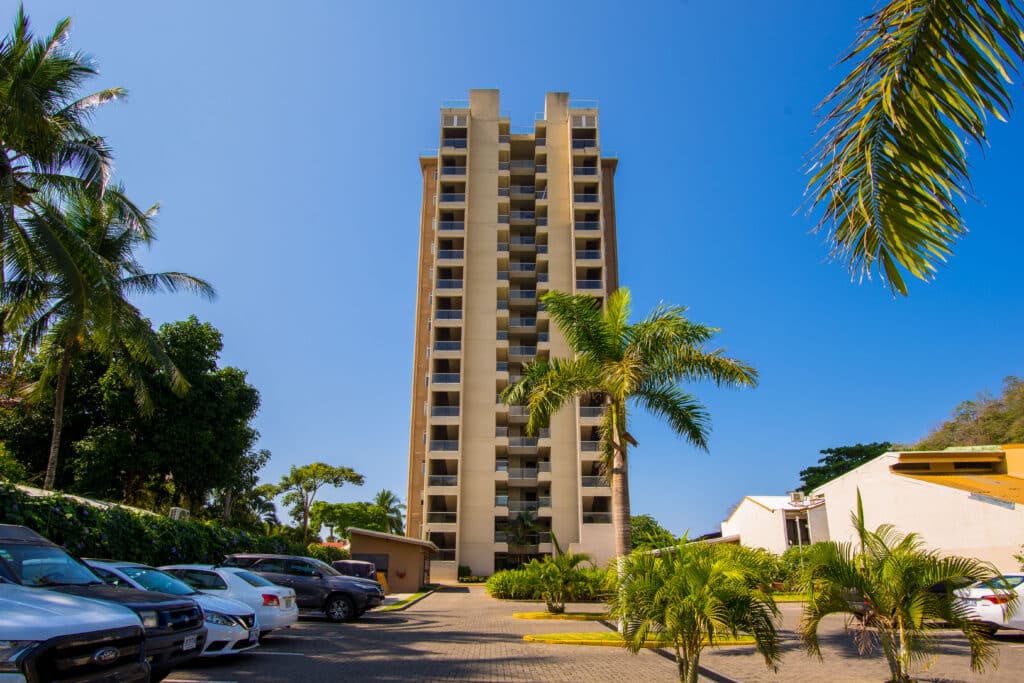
[(46, 566), (156, 580), (1001, 582), (325, 569), (254, 579)]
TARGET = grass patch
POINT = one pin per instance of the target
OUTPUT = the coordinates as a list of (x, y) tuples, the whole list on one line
[(411, 600), (790, 597), (611, 639), (565, 616)]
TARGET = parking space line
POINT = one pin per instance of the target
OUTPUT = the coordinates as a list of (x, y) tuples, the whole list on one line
[(283, 654)]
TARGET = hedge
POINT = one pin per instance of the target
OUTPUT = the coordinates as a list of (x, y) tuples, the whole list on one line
[(517, 584), (122, 534)]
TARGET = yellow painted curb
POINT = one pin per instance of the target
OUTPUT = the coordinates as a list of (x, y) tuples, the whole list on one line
[(565, 616), (602, 639)]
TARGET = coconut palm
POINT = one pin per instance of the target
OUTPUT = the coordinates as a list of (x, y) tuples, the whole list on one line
[(45, 142), (891, 168), (887, 582), (639, 364), (78, 290), (392, 508), (692, 596)]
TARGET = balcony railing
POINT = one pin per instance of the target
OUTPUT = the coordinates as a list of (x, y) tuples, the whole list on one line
[(589, 284), (522, 441), (584, 198), (503, 139), (543, 337), (522, 351), (541, 142), (444, 411), (523, 505), (454, 143), (588, 225), (520, 267), (590, 446), (521, 293), (542, 277), (512, 379), (582, 143), (501, 501), (542, 221), (501, 335), (502, 304), (584, 170), (445, 378), (444, 555), (443, 480), (530, 540), (541, 194), (502, 165), (448, 346), (523, 215), (503, 192), (501, 366), (521, 473), (503, 218), (519, 411), (524, 241), (543, 467), (449, 284), (502, 275), (522, 322), (591, 482), (542, 168), (522, 164), (588, 254), (544, 501), (448, 314), (502, 246), (503, 432), (444, 445), (442, 517), (453, 196), (544, 433), (523, 189), (542, 248), (453, 170), (597, 518), (591, 411), (451, 254), (452, 225)]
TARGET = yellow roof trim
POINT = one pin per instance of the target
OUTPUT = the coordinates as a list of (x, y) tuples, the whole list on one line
[(1004, 487)]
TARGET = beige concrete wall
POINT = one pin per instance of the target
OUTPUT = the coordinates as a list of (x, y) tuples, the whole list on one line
[(817, 524), (406, 561), (757, 527), (949, 520)]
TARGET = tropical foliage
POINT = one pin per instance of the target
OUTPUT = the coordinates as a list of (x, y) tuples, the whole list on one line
[(887, 580), (392, 507), (301, 485), (986, 420), (891, 169), (838, 461), (559, 576), (625, 366), (647, 534), (693, 596), (520, 584)]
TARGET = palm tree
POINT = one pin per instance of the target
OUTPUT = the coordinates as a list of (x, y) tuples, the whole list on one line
[(78, 289), (392, 507), (559, 576), (692, 596), (640, 364), (520, 531), (887, 582), (45, 142), (891, 167)]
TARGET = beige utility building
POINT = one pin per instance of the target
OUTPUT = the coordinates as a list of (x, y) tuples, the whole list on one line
[(507, 215)]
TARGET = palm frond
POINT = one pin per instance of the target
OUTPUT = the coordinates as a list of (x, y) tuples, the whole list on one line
[(682, 411)]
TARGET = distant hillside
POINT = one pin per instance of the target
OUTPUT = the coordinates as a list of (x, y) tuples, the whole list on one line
[(985, 420)]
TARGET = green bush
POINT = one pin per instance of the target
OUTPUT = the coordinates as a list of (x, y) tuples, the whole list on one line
[(522, 584), (326, 553), (469, 578), (464, 570), (123, 534)]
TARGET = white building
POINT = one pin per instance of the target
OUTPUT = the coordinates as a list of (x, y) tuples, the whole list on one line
[(776, 523)]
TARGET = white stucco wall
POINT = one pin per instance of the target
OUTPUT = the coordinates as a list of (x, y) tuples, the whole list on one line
[(817, 524), (949, 520), (757, 526)]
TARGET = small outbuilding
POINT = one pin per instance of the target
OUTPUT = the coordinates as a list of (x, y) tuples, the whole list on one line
[(776, 523), (404, 561)]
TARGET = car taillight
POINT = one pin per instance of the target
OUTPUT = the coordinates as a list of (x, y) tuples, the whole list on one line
[(270, 600), (997, 599)]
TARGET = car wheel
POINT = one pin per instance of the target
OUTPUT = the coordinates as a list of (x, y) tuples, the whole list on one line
[(340, 608)]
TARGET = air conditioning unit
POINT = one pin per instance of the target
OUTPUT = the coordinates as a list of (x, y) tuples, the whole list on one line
[(796, 496), (179, 513)]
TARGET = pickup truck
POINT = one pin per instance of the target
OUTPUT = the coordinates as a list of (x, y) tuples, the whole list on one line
[(173, 625), (48, 636)]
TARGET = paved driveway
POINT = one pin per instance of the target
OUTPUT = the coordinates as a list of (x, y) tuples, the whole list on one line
[(460, 634)]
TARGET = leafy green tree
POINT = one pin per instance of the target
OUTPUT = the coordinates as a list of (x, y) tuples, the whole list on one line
[(892, 167), (341, 516), (840, 460), (559, 576), (392, 507), (986, 420), (58, 306), (522, 531), (641, 364), (300, 486), (886, 580), (693, 596), (647, 534)]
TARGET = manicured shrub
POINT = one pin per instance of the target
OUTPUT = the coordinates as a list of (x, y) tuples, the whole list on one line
[(327, 553), (464, 570), (469, 578), (522, 584)]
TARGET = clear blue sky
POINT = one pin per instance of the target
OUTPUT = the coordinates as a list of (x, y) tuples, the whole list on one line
[(282, 141)]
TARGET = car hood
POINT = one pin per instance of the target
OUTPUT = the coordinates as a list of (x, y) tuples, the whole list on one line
[(212, 603), (40, 614), (136, 599)]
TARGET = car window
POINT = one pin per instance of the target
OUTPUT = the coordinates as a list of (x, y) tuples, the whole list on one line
[(46, 566), (235, 561), (300, 568), (201, 579), (156, 580), (270, 564), (108, 577), (1001, 582), (253, 579)]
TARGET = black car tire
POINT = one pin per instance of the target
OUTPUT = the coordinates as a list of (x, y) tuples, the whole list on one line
[(339, 608)]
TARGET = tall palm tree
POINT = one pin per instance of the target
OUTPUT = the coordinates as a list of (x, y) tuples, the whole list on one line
[(45, 141), (639, 364), (78, 290), (392, 507), (891, 168), (692, 596), (887, 581)]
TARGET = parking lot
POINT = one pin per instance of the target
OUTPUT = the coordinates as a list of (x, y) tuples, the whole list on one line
[(459, 634)]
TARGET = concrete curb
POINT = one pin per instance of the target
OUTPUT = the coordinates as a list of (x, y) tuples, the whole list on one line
[(398, 607)]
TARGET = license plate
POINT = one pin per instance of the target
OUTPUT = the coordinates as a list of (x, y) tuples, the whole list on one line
[(189, 643), (254, 635)]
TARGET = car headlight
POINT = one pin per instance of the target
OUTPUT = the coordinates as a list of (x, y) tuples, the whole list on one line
[(150, 619), (11, 652), (219, 619)]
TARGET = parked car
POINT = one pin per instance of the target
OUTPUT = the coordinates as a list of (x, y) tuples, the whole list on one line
[(174, 626), (996, 603), (45, 635), (275, 606), (357, 568), (318, 585), (231, 626)]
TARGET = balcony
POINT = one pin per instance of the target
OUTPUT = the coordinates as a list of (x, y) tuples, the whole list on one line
[(454, 143), (504, 139), (451, 225), (523, 473), (541, 142), (522, 190), (451, 254), (588, 225), (543, 337), (584, 170), (449, 284), (501, 501), (523, 216), (444, 445), (590, 446), (523, 351), (522, 322), (503, 218), (522, 441), (444, 555), (522, 267), (542, 221), (444, 411), (501, 432), (501, 366), (541, 195), (586, 198), (448, 314), (502, 246), (523, 505), (519, 411), (503, 166), (593, 482), (453, 170), (445, 378), (542, 278), (530, 540), (590, 284), (542, 168), (443, 480), (502, 304), (502, 275), (523, 241), (520, 294), (591, 411), (522, 165), (442, 517), (542, 248), (504, 192), (597, 518), (501, 335), (580, 143), (450, 197), (588, 254)]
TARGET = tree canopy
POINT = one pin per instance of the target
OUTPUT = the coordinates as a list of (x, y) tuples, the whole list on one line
[(840, 460), (647, 534), (985, 420), (300, 486)]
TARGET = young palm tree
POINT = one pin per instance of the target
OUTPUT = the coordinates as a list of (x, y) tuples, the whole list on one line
[(639, 364), (692, 596), (892, 166), (887, 582), (520, 531), (559, 576), (78, 289), (392, 507)]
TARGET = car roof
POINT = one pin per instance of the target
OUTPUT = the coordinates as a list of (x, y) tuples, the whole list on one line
[(116, 564), (15, 533), (267, 556)]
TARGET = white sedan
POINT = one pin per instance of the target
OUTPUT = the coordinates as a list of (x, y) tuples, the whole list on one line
[(996, 602), (275, 605), (231, 626)]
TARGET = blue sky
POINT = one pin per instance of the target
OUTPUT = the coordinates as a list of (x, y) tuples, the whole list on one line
[(282, 142)]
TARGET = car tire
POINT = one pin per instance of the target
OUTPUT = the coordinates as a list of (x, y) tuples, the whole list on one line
[(339, 608)]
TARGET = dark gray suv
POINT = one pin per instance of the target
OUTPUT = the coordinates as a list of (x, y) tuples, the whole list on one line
[(318, 585)]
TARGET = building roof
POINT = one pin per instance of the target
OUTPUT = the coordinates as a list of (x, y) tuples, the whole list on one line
[(1004, 487), (392, 537), (774, 503)]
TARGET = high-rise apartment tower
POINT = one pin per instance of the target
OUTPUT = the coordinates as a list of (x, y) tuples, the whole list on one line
[(507, 215)]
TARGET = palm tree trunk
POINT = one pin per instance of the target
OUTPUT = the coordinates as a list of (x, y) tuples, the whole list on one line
[(58, 416), (620, 486)]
